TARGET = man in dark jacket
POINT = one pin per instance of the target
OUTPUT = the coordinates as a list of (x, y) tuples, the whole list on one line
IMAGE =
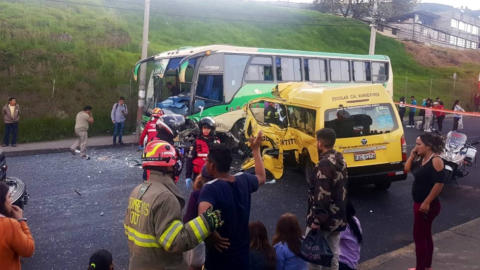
[(11, 116), (327, 200)]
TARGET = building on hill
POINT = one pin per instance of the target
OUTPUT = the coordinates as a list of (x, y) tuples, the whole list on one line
[(455, 29)]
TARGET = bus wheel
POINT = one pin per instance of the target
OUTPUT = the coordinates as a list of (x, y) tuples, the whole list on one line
[(383, 185)]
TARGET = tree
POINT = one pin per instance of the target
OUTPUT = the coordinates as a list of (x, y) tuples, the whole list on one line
[(391, 8), (358, 9)]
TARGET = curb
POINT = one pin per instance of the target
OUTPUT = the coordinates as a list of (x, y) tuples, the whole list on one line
[(60, 150), (410, 249)]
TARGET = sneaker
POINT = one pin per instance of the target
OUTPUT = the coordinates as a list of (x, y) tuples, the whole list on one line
[(72, 151), (4, 145), (86, 157), (114, 143), (14, 145), (120, 142)]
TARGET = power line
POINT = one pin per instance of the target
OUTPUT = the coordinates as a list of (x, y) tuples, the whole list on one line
[(207, 18)]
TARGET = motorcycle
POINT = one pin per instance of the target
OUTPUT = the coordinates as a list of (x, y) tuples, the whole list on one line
[(458, 156), (18, 189)]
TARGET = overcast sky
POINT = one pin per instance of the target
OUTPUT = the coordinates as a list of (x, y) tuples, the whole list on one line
[(471, 4)]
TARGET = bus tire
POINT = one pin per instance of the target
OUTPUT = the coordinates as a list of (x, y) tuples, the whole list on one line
[(383, 185)]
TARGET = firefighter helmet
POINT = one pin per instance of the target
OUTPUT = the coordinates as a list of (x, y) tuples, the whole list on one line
[(157, 112), (159, 154), (207, 122), (172, 124)]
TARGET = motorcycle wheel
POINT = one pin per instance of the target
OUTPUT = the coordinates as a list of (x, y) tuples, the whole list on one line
[(18, 189)]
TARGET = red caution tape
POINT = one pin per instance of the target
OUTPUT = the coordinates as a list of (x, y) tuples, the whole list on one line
[(439, 110)]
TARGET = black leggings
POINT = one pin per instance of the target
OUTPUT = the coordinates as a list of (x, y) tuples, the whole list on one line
[(455, 123), (440, 122)]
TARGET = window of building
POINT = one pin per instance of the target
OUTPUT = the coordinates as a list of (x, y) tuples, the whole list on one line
[(433, 34), (394, 31), (339, 70), (442, 37), (461, 42), (424, 31), (302, 119), (461, 26), (474, 45), (475, 30), (379, 72), (454, 23), (315, 70), (288, 69), (469, 28), (453, 40), (260, 69), (361, 71), (234, 69), (468, 44)]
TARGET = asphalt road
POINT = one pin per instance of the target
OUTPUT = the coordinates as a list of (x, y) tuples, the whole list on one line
[(68, 227)]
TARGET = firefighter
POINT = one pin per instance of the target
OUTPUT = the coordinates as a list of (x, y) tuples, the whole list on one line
[(150, 130), (153, 224), (168, 127), (197, 155), (167, 130), (271, 114)]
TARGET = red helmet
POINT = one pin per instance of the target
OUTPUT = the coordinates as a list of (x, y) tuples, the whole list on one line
[(159, 154), (157, 112)]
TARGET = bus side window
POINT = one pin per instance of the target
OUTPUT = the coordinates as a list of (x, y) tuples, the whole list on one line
[(361, 71), (234, 69), (288, 69), (260, 69), (210, 87), (340, 70), (379, 72), (315, 70)]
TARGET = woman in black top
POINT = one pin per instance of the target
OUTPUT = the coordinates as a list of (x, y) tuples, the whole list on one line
[(428, 170)]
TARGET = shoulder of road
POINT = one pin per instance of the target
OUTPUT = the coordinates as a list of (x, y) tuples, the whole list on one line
[(457, 248), (64, 145)]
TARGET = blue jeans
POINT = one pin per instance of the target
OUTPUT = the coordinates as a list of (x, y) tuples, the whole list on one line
[(118, 129), (10, 128)]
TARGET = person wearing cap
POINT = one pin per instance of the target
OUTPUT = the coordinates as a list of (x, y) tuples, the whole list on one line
[(192, 212)]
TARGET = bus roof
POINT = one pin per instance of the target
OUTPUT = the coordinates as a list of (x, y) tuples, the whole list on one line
[(187, 51), (312, 95)]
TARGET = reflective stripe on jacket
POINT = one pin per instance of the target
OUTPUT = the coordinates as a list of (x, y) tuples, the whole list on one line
[(156, 235)]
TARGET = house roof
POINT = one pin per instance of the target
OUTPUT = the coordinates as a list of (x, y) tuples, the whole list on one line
[(407, 16)]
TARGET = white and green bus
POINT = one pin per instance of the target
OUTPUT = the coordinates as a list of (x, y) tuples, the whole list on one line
[(217, 80)]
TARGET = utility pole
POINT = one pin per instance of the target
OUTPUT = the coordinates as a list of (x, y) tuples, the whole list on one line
[(143, 67), (373, 29)]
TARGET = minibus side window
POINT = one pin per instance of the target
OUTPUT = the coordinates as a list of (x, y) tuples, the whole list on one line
[(302, 119)]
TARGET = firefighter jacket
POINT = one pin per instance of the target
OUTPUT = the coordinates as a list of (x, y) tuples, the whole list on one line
[(197, 155), (150, 130), (153, 225)]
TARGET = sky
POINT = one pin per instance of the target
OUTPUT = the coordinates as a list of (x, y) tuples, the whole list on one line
[(471, 4)]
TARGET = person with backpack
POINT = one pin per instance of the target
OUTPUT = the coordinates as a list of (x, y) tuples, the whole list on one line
[(350, 241), (119, 111)]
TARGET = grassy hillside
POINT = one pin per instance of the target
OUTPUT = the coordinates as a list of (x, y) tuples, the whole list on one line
[(87, 52)]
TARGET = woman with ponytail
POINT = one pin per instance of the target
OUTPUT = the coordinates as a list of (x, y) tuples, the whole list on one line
[(427, 168), (350, 241), (101, 260)]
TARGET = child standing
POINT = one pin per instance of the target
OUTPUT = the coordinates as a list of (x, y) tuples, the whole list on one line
[(350, 241), (262, 255), (287, 243)]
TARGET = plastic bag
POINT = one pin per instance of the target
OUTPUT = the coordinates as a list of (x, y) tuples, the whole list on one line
[(315, 249), (195, 257)]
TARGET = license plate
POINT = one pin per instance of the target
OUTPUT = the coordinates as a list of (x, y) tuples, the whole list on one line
[(365, 156)]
